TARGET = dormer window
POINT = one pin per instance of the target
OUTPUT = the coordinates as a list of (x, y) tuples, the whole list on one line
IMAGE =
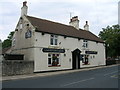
[(53, 40)]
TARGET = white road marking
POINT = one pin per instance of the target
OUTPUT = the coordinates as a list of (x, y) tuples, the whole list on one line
[(110, 73), (77, 82), (114, 76)]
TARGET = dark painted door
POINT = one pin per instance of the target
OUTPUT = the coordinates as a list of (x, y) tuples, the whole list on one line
[(76, 59)]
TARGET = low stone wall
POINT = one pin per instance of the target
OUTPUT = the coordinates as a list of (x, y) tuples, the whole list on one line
[(17, 67)]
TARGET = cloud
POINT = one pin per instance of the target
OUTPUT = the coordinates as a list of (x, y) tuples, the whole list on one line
[(99, 13)]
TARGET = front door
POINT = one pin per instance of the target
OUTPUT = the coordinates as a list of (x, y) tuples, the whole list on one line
[(76, 59)]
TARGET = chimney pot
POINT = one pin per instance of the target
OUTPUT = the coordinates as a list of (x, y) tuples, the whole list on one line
[(86, 22), (86, 26), (24, 9), (24, 3)]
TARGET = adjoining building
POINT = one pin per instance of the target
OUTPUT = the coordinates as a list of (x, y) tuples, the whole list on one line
[(55, 46)]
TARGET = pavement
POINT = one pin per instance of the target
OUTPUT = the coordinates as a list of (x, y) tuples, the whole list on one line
[(43, 74)]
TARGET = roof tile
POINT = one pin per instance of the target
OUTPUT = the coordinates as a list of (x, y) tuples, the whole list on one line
[(43, 25)]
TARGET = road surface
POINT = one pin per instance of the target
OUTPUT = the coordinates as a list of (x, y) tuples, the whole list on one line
[(96, 78)]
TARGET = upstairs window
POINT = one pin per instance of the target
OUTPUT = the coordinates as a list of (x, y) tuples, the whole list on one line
[(53, 40), (21, 26), (85, 44)]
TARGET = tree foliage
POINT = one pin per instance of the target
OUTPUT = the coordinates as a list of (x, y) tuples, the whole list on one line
[(8, 42), (111, 36)]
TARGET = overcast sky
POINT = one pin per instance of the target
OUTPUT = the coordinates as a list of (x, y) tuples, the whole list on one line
[(99, 13)]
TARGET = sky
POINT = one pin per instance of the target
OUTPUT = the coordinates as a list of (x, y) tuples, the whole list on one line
[(98, 13)]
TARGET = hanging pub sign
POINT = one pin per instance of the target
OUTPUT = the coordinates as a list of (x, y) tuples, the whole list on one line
[(91, 52), (28, 34), (53, 50)]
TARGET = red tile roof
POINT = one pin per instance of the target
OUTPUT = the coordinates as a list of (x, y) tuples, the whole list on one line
[(46, 26)]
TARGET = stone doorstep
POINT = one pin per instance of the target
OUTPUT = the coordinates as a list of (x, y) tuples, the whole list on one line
[(5, 78)]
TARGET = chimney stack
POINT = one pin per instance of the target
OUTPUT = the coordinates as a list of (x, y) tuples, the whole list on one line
[(74, 22), (86, 26), (24, 9)]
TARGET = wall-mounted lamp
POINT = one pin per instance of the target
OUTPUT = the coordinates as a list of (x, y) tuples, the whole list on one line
[(42, 33), (27, 24), (79, 39), (69, 59), (65, 36), (64, 54), (59, 43)]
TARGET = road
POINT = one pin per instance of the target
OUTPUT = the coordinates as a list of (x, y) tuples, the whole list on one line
[(96, 78)]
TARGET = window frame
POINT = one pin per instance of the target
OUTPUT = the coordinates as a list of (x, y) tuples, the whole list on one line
[(50, 57), (85, 43), (53, 39), (85, 59)]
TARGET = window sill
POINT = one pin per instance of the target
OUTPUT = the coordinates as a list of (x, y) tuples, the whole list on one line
[(86, 64), (55, 66), (54, 46)]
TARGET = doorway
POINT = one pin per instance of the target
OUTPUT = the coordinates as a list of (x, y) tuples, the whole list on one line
[(76, 59)]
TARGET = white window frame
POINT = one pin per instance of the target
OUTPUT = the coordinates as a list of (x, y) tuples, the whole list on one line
[(50, 57), (85, 43), (53, 40), (83, 59)]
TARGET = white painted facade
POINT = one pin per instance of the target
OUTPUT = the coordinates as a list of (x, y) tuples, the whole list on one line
[(69, 44), (32, 48), (21, 45)]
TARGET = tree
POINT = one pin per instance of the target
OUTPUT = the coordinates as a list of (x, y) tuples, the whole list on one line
[(111, 36), (8, 42), (10, 35)]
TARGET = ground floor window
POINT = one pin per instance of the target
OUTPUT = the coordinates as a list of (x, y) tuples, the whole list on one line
[(85, 59), (53, 59)]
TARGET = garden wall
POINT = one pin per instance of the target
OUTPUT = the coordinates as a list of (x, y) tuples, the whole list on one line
[(17, 67)]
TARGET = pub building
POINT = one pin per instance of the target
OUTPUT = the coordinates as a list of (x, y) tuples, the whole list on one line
[(55, 46)]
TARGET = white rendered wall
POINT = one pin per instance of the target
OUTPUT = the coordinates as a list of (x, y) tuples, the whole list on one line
[(23, 45), (39, 41), (69, 44)]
